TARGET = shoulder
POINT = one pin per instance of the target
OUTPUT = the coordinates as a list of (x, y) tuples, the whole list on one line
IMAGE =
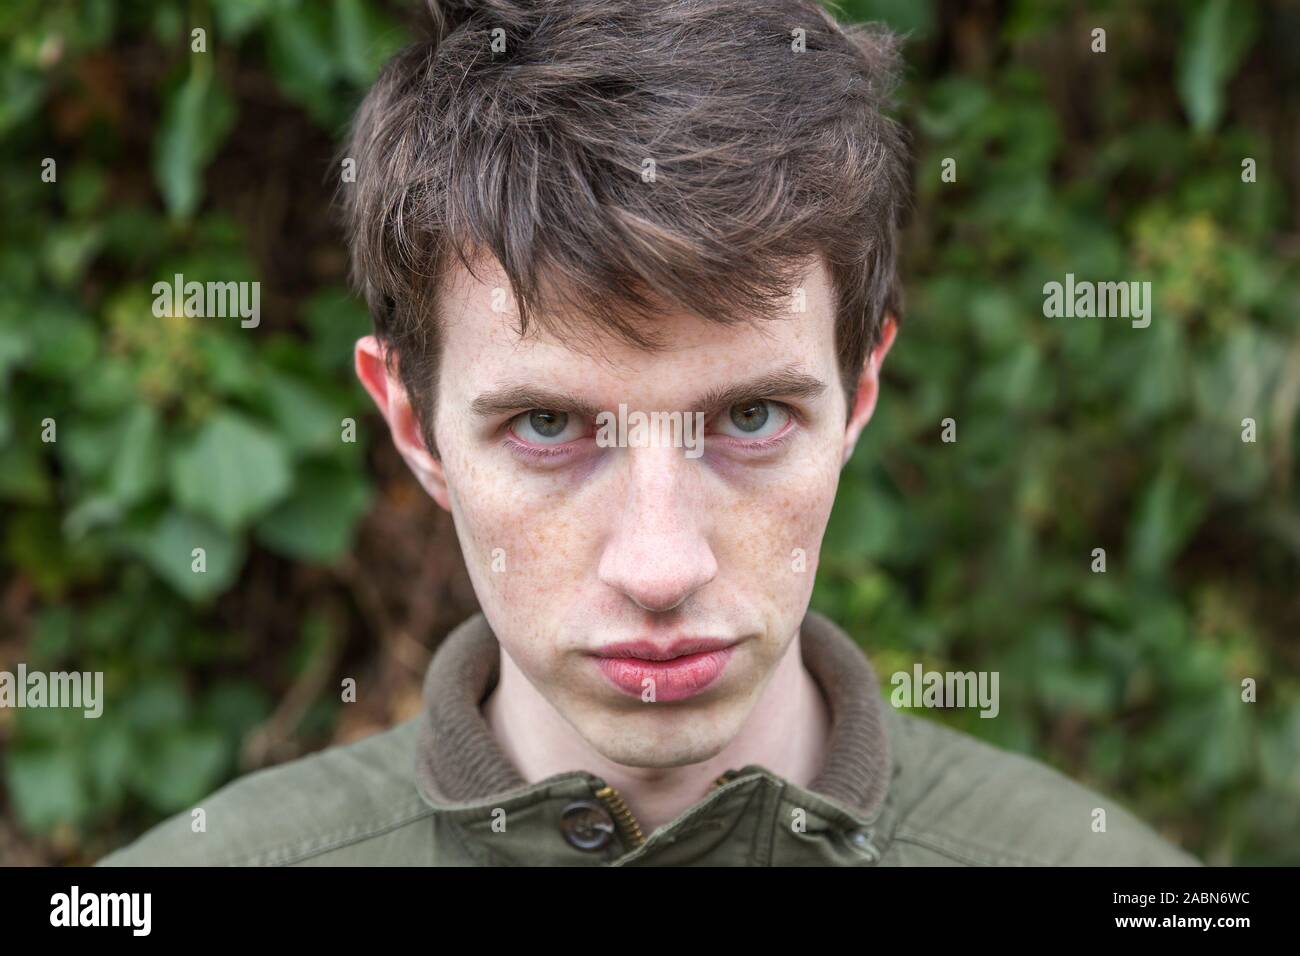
[(960, 800), (333, 806)]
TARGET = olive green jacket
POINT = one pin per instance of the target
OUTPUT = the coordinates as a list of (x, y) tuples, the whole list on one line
[(896, 790)]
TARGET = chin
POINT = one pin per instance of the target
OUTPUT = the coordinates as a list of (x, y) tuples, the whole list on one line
[(660, 739)]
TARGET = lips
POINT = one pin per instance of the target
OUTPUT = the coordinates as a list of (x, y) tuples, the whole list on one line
[(675, 671)]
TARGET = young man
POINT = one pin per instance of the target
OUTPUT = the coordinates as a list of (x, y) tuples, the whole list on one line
[(632, 271)]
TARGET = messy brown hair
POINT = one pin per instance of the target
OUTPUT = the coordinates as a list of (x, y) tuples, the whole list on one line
[(763, 155)]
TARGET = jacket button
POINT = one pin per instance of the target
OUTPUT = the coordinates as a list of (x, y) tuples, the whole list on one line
[(587, 825), (862, 840)]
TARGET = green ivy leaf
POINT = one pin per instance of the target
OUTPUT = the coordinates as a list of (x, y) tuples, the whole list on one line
[(352, 37), (317, 523), (233, 471), (913, 17), (184, 768), (1218, 37), (196, 119), (15, 346), (136, 469), (336, 320), (1166, 516), (167, 546), (69, 250), (237, 17), (306, 420), (302, 59), (47, 787)]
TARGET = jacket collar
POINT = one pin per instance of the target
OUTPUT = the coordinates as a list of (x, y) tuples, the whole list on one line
[(459, 761)]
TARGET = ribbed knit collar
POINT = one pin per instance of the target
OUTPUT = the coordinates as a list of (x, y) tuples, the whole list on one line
[(459, 760)]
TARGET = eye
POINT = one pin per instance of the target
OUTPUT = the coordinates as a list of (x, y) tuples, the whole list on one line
[(754, 420), (541, 426)]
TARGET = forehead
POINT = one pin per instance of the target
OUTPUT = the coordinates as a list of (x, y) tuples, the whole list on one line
[(481, 342)]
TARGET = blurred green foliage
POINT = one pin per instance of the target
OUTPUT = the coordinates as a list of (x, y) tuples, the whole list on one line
[(1072, 434), (171, 433), (1076, 434)]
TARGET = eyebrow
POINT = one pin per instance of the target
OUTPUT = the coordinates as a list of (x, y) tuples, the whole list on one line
[(788, 382), (517, 397)]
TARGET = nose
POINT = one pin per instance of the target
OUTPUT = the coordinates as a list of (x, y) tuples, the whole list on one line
[(658, 552)]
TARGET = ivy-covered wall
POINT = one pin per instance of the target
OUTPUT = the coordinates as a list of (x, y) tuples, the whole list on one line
[(128, 434)]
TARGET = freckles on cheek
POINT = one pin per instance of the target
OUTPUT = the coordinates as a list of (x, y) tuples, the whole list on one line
[(489, 529), (770, 525), (540, 543)]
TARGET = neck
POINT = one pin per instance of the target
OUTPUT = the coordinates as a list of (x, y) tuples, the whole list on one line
[(786, 733)]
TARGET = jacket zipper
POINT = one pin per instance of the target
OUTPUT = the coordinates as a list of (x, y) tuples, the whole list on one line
[(627, 823)]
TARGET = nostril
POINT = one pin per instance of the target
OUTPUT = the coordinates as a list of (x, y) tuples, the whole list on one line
[(658, 601), (661, 581)]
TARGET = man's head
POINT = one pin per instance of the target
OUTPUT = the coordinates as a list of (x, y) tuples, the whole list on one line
[(566, 207)]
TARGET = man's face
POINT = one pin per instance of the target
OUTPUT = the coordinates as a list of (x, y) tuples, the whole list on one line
[(574, 547)]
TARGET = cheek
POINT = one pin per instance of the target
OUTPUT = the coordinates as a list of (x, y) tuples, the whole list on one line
[(522, 546), (774, 527)]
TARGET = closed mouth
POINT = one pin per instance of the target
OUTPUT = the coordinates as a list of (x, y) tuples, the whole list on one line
[(665, 673), (644, 650)]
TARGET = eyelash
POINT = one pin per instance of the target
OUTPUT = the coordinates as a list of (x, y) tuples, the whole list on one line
[(553, 453), (766, 444)]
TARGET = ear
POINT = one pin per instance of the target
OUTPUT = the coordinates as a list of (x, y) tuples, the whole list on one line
[(393, 403), (864, 399)]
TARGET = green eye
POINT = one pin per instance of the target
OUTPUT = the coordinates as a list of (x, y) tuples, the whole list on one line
[(548, 424), (750, 416), (541, 426), (754, 420)]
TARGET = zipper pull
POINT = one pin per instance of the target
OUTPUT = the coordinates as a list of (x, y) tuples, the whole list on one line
[(723, 778), (618, 808)]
